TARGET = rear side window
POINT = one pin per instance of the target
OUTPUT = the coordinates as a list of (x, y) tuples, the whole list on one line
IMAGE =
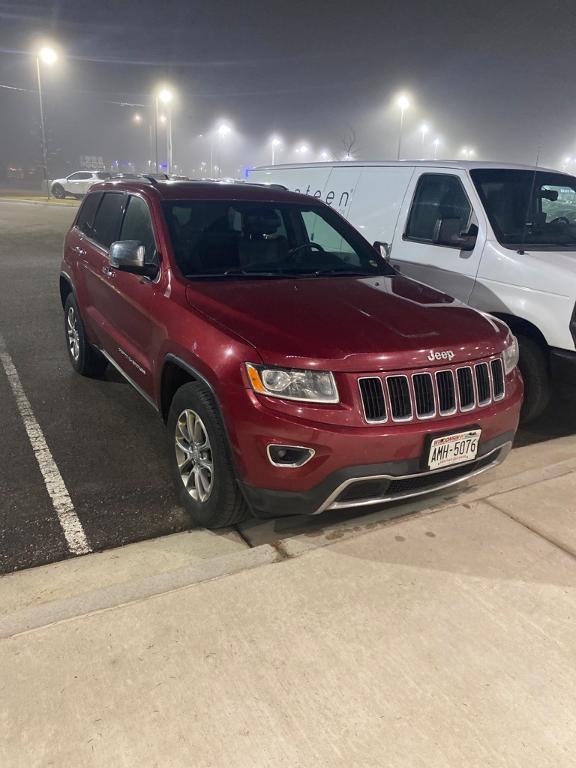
[(108, 217), (440, 203), (85, 218), (137, 225)]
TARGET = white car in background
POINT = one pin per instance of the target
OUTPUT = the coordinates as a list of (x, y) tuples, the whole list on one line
[(77, 183)]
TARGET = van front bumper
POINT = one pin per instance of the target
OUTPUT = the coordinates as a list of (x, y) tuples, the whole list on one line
[(365, 485)]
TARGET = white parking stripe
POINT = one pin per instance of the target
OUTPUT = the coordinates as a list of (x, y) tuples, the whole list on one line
[(61, 501)]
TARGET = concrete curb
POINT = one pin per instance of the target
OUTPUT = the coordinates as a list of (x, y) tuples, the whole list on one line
[(35, 617)]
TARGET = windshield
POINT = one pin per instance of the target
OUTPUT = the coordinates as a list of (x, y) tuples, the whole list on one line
[(529, 209), (224, 239)]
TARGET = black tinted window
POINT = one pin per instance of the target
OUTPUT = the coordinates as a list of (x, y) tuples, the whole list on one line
[(440, 202), (107, 222), (85, 218), (137, 225)]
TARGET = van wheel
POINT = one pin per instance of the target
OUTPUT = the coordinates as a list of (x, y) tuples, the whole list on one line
[(84, 358), (200, 460), (535, 371), (58, 191)]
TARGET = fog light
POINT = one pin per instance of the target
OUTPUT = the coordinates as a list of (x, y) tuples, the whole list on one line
[(289, 455)]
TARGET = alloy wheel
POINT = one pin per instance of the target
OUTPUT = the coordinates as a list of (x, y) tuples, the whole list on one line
[(194, 455), (73, 334)]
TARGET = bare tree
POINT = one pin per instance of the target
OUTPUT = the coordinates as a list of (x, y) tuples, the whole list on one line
[(349, 142)]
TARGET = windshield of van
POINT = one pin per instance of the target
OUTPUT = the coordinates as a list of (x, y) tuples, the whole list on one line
[(535, 210), (257, 240)]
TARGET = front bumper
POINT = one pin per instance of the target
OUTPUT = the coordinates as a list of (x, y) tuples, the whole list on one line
[(365, 485)]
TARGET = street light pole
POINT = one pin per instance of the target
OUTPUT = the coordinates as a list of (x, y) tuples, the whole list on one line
[(156, 134), (43, 129), (403, 102)]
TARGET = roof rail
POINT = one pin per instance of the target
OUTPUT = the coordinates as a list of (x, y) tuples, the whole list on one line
[(154, 179)]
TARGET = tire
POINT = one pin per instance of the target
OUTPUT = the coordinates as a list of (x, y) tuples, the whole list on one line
[(535, 371), (58, 191), (84, 358), (202, 466)]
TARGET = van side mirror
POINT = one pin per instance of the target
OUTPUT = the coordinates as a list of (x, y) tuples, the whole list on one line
[(448, 233), (129, 256), (383, 249)]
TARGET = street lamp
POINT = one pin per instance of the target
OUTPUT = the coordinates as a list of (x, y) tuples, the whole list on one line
[(403, 102), (325, 155), (275, 143), (303, 149), (165, 96), (436, 144), (47, 56), (222, 130), (137, 118), (424, 129)]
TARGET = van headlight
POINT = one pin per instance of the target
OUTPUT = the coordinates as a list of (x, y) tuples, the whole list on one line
[(511, 354), (293, 383)]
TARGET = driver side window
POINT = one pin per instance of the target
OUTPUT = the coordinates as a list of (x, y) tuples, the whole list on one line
[(440, 208), (137, 225)]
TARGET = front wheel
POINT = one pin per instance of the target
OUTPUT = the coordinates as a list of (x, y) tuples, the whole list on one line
[(200, 460), (534, 367), (58, 191)]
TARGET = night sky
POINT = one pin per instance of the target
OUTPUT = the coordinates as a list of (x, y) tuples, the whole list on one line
[(493, 75)]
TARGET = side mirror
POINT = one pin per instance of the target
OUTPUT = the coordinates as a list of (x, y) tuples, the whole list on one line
[(383, 249), (128, 256), (448, 233)]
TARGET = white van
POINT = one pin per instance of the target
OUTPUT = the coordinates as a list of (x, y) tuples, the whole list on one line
[(501, 238)]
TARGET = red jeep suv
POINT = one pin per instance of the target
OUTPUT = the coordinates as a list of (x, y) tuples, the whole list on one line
[(296, 370)]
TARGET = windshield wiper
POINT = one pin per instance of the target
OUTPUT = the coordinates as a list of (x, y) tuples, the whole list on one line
[(340, 272), (241, 273)]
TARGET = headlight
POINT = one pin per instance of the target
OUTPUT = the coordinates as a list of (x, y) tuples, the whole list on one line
[(293, 383), (511, 354)]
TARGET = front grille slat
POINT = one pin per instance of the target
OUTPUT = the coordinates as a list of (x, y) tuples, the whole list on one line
[(400, 401), (446, 392), (497, 379), (372, 394), (482, 383), (425, 394), (465, 389)]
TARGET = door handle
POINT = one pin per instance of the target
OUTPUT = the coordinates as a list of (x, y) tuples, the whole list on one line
[(108, 271), (79, 251)]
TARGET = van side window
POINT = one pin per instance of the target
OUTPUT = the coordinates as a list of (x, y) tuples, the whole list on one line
[(108, 218), (440, 207), (87, 212), (137, 225)]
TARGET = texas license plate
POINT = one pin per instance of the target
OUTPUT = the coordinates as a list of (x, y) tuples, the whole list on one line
[(453, 449)]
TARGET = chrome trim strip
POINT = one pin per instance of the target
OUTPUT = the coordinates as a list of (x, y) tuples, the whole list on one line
[(128, 379), (501, 361), (311, 454), (366, 419), (502, 451)]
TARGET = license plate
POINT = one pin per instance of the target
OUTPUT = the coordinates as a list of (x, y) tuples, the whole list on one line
[(453, 449)]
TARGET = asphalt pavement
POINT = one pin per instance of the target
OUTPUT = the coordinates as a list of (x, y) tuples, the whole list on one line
[(104, 450)]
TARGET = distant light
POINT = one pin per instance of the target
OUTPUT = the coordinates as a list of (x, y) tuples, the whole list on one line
[(424, 129), (303, 149), (403, 101), (325, 155), (276, 141), (137, 118), (223, 130), (567, 160), (47, 55), (163, 118), (348, 156), (165, 95)]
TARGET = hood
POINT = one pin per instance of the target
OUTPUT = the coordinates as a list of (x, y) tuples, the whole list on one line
[(348, 324)]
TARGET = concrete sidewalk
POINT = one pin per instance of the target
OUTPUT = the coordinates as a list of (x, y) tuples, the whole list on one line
[(444, 640)]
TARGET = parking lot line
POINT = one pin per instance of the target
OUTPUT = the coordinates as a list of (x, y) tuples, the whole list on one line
[(61, 501)]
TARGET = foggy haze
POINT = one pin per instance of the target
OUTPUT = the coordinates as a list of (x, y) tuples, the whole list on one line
[(492, 76)]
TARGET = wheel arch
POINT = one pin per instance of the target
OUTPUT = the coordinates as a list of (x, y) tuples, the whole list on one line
[(518, 325), (175, 373), (66, 288)]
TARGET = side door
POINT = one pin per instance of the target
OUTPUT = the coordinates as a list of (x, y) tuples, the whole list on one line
[(77, 183), (133, 302), (429, 247)]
